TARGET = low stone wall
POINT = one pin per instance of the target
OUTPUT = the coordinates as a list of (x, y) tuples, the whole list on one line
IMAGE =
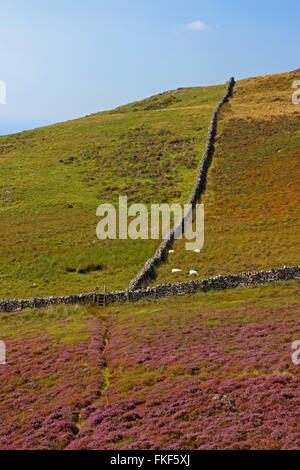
[(147, 273), (230, 281), (42, 302)]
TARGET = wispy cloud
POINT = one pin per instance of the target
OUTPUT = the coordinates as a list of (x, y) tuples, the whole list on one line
[(197, 26)]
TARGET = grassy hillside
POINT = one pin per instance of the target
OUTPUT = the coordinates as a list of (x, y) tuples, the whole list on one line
[(160, 381), (252, 199), (208, 371), (52, 180)]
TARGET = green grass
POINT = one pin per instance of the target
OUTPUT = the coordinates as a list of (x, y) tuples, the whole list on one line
[(210, 304), (58, 175), (63, 323), (150, 151), (252, 217)]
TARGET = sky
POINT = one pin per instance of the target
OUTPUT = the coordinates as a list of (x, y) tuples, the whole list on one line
[(63, 59)]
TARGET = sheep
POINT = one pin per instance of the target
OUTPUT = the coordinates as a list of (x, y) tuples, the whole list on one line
[(197, 251), (193, 272), (171, 251), (176, 270)]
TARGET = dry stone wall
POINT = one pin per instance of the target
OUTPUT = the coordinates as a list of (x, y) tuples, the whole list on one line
[(231, 281), (148, 271)]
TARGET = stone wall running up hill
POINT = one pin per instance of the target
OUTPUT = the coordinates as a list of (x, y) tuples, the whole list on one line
[(148, 271)]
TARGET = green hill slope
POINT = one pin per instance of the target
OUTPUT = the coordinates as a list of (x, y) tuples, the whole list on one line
[(252, 198), (58, 175)]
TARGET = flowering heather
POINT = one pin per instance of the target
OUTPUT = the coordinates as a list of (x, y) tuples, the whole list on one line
[(212, 372), (179, 413), (168, 363), (53, 370)]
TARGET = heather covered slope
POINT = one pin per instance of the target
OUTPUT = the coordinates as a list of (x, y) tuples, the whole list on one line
[(58, 175), (252, 196), (54, 370), (213, 371)]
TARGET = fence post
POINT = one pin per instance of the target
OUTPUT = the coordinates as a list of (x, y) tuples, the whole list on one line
[(104, 297), (97, 295)]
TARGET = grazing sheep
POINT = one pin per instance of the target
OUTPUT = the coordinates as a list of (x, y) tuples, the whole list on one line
[(176, 270), (171, 251), (193, 272), (197, 251)]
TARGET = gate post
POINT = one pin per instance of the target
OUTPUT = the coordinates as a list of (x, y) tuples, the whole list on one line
[(104, 297), (97, 295)]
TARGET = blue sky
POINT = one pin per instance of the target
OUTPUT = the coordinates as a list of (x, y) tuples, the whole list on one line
[(62, 59)]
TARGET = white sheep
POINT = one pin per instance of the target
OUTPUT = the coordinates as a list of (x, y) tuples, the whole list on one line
[(176, 270), (193, 272), (197, 251), (171, 251)]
